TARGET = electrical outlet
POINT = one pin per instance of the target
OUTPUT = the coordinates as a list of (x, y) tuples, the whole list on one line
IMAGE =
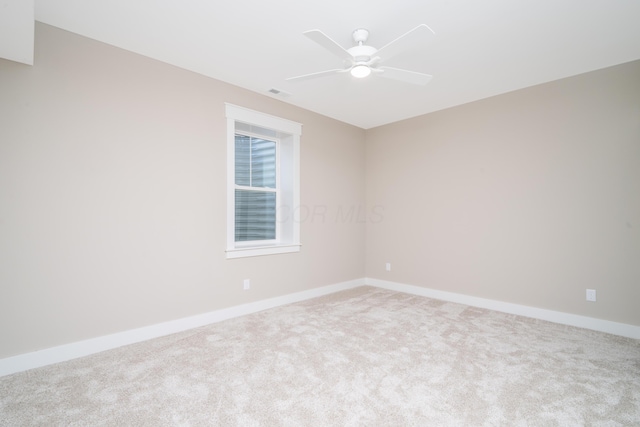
[(247, 284), (388, 266), (591, 295)]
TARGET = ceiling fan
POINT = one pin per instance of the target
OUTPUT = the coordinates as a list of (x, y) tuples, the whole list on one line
[(362, 60)]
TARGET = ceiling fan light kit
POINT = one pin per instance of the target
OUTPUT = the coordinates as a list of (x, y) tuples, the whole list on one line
[(362, 60), (360, 71)]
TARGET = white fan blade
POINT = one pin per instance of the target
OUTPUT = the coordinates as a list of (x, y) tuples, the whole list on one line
[(406, 76), (404, 42), (314, 75), (325, 41)]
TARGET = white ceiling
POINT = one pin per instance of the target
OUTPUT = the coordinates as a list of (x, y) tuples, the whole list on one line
[(481, 48), (16, 30)]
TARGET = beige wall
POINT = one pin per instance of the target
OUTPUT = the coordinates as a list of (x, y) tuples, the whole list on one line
[(529, 197), (112, 196)]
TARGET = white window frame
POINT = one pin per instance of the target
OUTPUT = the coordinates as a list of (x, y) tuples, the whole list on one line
[(287, 134)]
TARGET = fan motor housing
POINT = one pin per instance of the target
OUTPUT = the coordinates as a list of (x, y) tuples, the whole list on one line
[(362, 52)]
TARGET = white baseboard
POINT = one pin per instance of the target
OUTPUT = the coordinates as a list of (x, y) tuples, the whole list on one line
[(78, 349), (600, 325)]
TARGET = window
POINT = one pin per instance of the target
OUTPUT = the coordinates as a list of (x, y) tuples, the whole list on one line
[(263, 184), (256, 188)]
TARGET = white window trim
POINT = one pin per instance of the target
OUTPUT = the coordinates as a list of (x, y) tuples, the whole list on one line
[(286, 242)]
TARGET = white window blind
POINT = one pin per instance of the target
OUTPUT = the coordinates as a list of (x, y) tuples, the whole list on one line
[(256, 190)]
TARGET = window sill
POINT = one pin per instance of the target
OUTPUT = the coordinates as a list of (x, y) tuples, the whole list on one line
[(261, 250)]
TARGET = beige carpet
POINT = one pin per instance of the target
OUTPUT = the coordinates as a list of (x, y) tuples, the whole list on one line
[(364, 357)]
